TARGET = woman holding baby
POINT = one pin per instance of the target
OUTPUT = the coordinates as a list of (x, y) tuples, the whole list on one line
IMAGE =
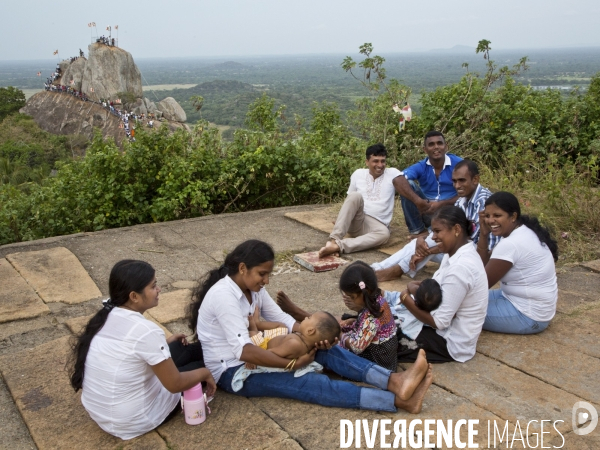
[(450, 332), (219, 313)]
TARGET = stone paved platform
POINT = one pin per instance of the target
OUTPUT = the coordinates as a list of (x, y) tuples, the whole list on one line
[(52, 287)]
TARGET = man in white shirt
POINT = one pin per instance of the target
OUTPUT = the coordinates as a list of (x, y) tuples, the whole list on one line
[(367, 211)]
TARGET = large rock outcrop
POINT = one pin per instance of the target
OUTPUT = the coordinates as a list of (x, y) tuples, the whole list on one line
[(64, 114), (171, 110), (108, 71), (72, 73)]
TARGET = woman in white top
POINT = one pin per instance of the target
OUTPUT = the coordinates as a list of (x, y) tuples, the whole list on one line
[(523, 263), (451, 331), (219, 313), (130, 375)]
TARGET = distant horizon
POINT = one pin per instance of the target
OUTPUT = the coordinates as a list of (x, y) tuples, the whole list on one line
[(272, 28), (447, 50)]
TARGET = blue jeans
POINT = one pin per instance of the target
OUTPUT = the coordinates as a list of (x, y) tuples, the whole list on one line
[(503, 317), (415, 221), (320, 389)]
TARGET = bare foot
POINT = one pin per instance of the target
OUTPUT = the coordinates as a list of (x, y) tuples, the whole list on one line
[(290, 307), (389, 274), (411, 236), (415, 403), (405, 383), (330, 248)]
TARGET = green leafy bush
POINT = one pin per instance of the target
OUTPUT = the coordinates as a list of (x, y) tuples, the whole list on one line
[(540, 145), (11, 100), (165, 176)]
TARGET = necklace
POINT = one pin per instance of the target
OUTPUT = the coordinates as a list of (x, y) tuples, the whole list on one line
[(300, 336)]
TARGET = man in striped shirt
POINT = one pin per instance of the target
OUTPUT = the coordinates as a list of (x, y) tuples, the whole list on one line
[(414, 255)]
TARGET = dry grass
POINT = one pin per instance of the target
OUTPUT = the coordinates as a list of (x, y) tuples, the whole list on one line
[(563, 196)]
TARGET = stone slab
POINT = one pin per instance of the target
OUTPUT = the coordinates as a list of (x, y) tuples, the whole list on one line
[(184, 284), (8, 329), (312, 262), (324, 432), (570, 301), (234, 423), (440, 404), (314, 427), (322, 219), (572, 441), (56, 275), (171, 306), (209, 234), (578, 279), (18, 300), (506, 392), (287, 444), (13, 431), (53, 413), (579, 333), (554, 363), (32, 338), (77, 324), (393, 248), (592, 265)]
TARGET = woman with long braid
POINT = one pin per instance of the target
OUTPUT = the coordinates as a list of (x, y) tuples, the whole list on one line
[(130, 375)]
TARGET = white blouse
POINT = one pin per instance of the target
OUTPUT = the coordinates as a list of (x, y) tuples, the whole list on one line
[(223, 323), (460, 317), (120, 391), (530, 284)]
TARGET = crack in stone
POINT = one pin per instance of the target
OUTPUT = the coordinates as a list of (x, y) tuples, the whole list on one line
[(531, 375)]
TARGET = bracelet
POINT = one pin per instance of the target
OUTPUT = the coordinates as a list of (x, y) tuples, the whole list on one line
[(403, 297), (290, 365)]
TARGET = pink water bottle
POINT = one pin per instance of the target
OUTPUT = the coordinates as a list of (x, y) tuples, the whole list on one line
[(194, 405)]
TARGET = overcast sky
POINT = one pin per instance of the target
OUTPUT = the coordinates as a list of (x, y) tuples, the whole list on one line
[(198, 28)]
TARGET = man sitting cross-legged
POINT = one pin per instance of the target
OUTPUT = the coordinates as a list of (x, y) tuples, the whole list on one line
[(367, 210), (414, 255)]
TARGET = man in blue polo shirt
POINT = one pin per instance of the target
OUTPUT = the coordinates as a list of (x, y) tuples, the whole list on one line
[(434, 189)]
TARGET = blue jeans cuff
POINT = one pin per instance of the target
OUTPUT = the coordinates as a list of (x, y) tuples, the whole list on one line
[(378, 376), (377, 400)]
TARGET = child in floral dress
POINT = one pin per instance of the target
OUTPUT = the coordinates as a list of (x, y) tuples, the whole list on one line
[(372, 334)]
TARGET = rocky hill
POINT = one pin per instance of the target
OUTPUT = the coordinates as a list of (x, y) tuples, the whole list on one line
[(107, 74), (65, 114)]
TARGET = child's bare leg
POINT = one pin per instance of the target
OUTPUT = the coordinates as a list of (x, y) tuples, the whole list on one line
[(290, 307), (389, 274), (403, 384), (415, 403)]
